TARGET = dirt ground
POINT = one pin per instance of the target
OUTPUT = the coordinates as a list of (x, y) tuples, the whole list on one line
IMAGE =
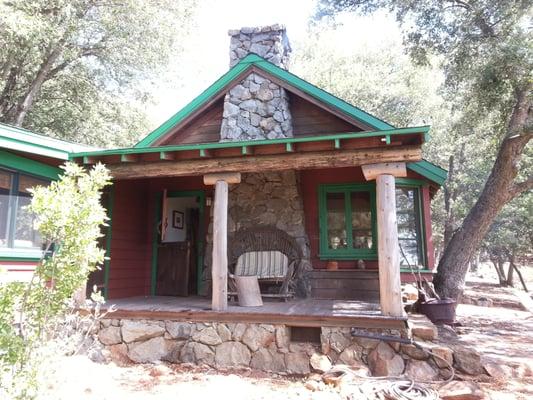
[(502, 334)]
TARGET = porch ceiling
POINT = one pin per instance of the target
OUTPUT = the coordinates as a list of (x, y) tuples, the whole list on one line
[(337, 150)]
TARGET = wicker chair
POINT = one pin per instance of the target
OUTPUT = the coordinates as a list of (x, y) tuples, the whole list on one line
[(267, 238)]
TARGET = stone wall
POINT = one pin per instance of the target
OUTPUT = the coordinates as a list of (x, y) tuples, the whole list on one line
[(271, 199), (266, 347), (257, 108)]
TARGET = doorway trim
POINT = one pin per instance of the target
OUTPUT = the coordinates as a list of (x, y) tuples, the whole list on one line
[(200, 243)]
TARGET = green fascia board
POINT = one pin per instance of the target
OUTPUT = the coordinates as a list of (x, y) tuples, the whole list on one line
[(14, 138), (291, 79), (421, 130), (429, 170), (32, 167)]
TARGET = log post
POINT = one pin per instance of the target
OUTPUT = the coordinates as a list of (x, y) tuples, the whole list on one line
[(219, 268), (390, 293)]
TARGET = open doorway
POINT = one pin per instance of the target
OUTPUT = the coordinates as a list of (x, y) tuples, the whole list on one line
[(178, 258)]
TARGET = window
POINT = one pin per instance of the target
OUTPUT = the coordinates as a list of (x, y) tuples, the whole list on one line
[(347, 221), (410, 230), (16, 222)]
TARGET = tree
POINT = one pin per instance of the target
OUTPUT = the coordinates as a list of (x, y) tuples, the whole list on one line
[(76, 67), (486, 49)]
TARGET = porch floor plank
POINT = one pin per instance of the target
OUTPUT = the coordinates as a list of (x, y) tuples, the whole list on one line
[(297, 312)]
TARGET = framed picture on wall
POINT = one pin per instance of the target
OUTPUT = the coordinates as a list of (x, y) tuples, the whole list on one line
[(177, 219)]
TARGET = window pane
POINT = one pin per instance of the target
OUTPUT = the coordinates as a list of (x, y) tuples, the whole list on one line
[(25, 234), (336, 216), (6, 183), (361, 220), (409, 236)]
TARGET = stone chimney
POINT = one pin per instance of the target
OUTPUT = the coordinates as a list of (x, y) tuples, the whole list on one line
[(257, 108)]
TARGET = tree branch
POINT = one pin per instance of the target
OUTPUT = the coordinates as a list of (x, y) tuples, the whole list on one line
[(521, 187)]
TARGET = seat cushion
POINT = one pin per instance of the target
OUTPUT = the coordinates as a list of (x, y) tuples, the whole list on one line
[(263, 264)]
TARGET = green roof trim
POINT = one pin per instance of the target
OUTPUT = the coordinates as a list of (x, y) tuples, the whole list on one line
[(421, 130), (32, 167), (18, 139), (430, 171), (291, 79)]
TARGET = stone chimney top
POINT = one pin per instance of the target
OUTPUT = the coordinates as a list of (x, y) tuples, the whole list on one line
[(269, 42)]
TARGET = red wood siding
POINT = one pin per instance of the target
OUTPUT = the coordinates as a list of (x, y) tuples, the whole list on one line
[(426, 209), (17, 270)]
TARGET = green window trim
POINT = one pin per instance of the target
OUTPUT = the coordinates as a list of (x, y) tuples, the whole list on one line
[(12, 254), (350, 253), (31, 167)]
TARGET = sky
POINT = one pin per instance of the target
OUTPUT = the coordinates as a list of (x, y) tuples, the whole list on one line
[(207, 51)]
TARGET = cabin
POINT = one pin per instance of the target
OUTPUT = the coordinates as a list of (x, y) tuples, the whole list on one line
[(262, 163), (27, 159)]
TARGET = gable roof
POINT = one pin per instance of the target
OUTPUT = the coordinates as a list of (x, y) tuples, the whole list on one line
[(248, 63), (18, 139)]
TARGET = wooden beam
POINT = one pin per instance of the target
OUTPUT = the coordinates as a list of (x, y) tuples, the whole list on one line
[(372, 171), (129, 158), (219, 269), (166, 155), (258, 163), (229, 177), (390, 292)]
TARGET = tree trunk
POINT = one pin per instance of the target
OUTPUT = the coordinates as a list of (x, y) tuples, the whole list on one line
[(510, 274), (449, 222), (498, 191), (499, 270)]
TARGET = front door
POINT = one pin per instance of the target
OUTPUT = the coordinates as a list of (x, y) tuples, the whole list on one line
[(179, 244)]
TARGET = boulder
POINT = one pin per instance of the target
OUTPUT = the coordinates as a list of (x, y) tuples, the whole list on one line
[(320, 362), (173, 351), (384, 361), (421, 371), (467, 361), (425, 331), (338, 342), (223, 332), (442, 352), (207, 336), (179, 330), (257, 337), (134, 331), (414, 352), (110, 335), (282, 337), (498, 371), (461, 390), (197, 353), (268, 360), (297, 363), (351, 355), (232, 354), (149, 351), (118, 353)]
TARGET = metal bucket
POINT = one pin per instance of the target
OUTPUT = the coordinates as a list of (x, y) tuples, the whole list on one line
[(439, 311)]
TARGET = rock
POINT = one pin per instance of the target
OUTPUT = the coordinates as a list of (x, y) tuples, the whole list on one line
[(297, 363), (320, 362), (207, 336), (414, 352), (421, 371), (498, 371), (179, 330), (110, 335), (359, 369), (312, 385), (268, 360), (232, 354), (461, 390), (384, 361), (484, 302), (409, 292), (425, 331), (151, 350), (442, 352), (467, 360), (282, 337), (257, 337), (366, 343), (173, 350), (237, 330), (338, 342), (351, 355), (133, 331), (223, 332), (118, 353), (197, 353)]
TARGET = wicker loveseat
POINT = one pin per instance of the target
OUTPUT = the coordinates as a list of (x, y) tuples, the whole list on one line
[(268, 253)]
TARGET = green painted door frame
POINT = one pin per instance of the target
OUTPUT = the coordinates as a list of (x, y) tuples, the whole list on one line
[(200, 244)]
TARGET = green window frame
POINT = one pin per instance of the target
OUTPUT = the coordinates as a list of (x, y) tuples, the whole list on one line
[(348, 252), (416, 186)]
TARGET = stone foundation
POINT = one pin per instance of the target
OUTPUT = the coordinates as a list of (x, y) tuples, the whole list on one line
[(267, 347)]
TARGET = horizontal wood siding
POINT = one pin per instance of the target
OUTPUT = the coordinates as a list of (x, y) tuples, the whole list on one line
[(311, 120), (345, 285)]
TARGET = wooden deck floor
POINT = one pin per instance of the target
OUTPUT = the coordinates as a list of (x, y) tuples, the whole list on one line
[(308, 312)]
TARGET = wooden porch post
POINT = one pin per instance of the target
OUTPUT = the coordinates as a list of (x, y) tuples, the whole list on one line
[(390, 293), (219, 268)]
